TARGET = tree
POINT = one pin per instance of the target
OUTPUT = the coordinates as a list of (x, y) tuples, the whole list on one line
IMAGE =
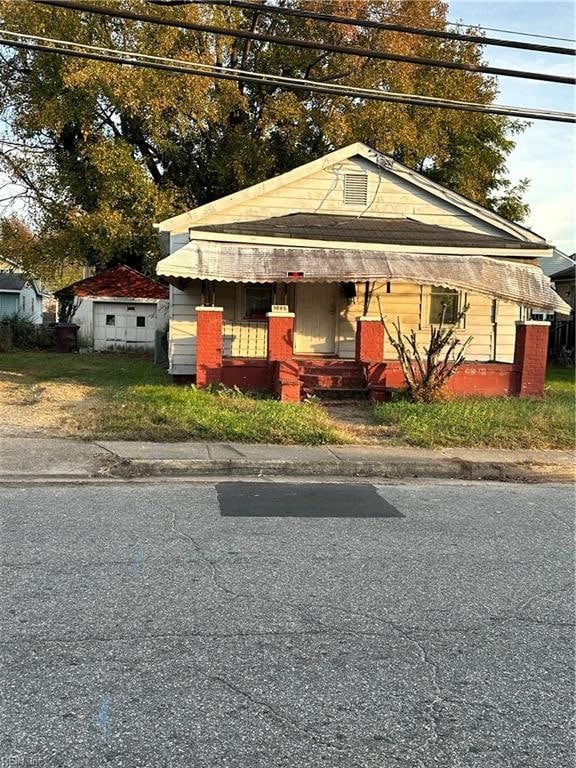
[(99, 151)]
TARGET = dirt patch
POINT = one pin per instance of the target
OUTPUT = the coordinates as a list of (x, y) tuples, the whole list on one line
[(55, 409), (354, 419)]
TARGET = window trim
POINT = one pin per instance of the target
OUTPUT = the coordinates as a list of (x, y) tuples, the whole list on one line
[(426, 304)]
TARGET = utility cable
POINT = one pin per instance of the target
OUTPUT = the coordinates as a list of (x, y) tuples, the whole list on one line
[(372, 24), (300, 43), (135, 59)]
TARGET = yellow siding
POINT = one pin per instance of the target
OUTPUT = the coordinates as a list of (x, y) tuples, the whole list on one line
[(323, 192), (506, 315)]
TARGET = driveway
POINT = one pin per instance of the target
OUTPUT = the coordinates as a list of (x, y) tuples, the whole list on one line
[(200, 625)]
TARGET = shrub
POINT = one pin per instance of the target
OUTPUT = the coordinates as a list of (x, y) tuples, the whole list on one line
[(25, 334)]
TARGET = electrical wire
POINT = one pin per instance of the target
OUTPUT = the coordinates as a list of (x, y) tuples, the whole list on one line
[(372, 24), (299, 43), (133, 58)]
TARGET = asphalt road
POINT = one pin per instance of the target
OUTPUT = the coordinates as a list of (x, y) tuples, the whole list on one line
[(165, 627)]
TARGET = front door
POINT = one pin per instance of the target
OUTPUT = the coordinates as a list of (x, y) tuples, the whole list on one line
[(314, 329)]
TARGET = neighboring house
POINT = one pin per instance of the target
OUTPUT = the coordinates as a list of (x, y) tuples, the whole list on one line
[(20, 295), (118, 309), (280, 286), (556, 263), (562, 331)]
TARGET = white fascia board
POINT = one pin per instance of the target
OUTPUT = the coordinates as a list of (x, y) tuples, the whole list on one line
[(281, 242)]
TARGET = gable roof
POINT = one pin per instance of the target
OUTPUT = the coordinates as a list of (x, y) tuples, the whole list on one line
[(368, 229), (380, 161), (120, 282), (16, 281)]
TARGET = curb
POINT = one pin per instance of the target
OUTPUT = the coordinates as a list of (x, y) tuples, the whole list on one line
[(396, 469)]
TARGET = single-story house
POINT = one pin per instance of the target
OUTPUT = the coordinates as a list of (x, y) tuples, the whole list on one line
[(281, 286), (117, 309), (20, 295)]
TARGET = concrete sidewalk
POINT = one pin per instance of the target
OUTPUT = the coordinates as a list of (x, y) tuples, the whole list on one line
[(37, 458)]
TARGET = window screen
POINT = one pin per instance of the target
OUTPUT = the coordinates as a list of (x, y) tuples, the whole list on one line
[(443, 300), (258, 301), (355, 189)]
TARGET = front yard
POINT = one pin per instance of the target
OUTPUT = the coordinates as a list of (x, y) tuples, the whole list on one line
[(124, 397)]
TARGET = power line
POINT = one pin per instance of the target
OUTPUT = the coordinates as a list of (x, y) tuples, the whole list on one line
[(299, 43), (371, 24), (135, 59)]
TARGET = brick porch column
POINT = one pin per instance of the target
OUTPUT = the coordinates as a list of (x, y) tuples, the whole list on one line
[(208, 345), (369, 340), (280, 343), (370, 352), (531, 355)]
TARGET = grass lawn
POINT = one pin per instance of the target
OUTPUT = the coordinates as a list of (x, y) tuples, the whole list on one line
[(489, 422), (119, 396)]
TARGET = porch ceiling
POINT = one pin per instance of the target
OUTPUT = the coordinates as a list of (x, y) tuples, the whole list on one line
[(242, 263)]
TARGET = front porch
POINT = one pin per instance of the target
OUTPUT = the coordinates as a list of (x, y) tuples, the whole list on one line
[(371, 373)]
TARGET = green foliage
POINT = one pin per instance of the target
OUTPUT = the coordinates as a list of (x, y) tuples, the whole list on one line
[(492, 422), (23, 332), (111, 148), (186, 413)]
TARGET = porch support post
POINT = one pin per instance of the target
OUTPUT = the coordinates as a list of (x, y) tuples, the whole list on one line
[(370, 353), (369, 340), (208, 345), (284, 372), (531, 356), (280, 342)]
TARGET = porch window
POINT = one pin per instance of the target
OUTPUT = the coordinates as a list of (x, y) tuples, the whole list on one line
[(443, 300), (257, 301)]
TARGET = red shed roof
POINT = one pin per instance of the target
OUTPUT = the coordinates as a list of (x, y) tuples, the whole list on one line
[(119, 282)]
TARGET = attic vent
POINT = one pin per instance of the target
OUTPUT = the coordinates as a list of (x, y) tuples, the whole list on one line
[(355, 189)]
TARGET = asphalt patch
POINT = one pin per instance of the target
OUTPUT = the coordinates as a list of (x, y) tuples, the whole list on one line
[(307, 500)]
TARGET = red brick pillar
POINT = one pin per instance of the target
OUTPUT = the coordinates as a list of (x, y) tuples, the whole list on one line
[(369, 340), (370, 352), (208, 345), (280, 345), (531, 356), (282, 379)]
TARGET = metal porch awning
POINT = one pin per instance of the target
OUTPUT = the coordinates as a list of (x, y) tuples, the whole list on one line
[(242, 263)]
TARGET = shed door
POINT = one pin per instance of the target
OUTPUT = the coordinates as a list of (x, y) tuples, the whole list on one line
[(314, 329), (109, 326), (124, 327)]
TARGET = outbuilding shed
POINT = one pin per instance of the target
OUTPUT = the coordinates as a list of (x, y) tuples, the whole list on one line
[(118, 309)]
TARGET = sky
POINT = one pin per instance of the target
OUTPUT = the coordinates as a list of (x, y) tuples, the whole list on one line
[(545, 152)]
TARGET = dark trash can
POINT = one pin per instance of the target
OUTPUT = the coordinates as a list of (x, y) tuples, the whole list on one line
[(66, 337)]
